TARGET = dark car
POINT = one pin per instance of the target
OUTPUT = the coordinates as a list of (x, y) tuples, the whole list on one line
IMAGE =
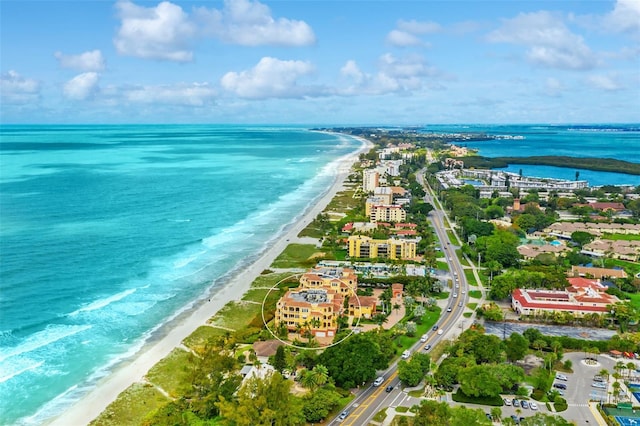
[(389, 388), (435, 327), (560, 386), (427, 347)]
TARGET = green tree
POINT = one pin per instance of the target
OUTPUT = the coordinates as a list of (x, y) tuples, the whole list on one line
[(540, 419), (410, 373), (582, 237), (280, 359), (354, 361), (516, 347), (263, 402), (479, 381), (313, 379), (317, 405), (431, 413)]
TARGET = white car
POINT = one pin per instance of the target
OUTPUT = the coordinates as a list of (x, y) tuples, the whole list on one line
[(440, 331), (561, 377), (406, 354), (599, 385), (379, 381), (533, 405), (424, 338)]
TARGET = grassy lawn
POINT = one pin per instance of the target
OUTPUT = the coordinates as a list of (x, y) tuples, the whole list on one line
[(416, 393), (467, 314), (476, 294), (453, 238), (635, 299), (236, 315), (428, 320), (270, 280), (171, 373), (463, 261), (631, 267), (202, 335), (132, 406), (257, 295), (472, 306), (471, 279), (624, 237), (380, 416), (402, 409), (442, 265), (343, 201), (297, 256), (440, 296)]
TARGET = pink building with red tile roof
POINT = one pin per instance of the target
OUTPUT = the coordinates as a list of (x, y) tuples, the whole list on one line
[(582, 296)]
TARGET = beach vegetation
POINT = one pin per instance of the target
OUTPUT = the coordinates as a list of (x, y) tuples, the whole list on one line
[(132, 406), (171, 373), (298, 256), (266, 401)]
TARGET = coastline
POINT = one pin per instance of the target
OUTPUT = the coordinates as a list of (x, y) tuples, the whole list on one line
[(96, 401)]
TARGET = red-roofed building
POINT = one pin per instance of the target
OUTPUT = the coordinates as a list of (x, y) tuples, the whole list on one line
[(581, 297), (348, 227)]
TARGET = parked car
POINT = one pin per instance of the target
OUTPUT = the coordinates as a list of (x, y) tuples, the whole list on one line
[(598, 378), (599, 385), (533, 406), (560, 386), (507, 402), (516, 403), (561, 377), (515, 419), (524, 404)]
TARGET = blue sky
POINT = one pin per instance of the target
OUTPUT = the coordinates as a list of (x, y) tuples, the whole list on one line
[(320, 62)]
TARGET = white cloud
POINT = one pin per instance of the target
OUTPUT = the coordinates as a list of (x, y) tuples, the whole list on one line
[(16, 89), (249, 23), (407, 32), (625, 17), (185, 94), (161, 32), (271, 78), (550, 42), (603, 82), (403, 39), (419, 27), (395, 75), (82, 86), (87, 61)]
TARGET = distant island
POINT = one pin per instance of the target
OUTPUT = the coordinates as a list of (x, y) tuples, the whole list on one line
[(596, 164)]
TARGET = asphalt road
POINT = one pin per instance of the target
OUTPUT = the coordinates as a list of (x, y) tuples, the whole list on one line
[(371, 399)]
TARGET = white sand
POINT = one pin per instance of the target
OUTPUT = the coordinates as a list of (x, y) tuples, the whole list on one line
[(89, 407)]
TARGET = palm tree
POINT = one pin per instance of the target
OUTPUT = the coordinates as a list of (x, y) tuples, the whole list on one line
[(630, 367), (313, 379), (616, 390), (605, 373)]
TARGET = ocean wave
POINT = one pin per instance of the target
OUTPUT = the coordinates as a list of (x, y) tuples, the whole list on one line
[(9, 373), (43, 338), (101, 303), (181, 263)]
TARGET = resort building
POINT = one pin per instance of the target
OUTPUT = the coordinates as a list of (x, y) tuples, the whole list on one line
[(384, 193), (315, 311), (387, 213), (320, 299), (371, 202), (581, 297), (343, 281), (361, 246), (370, 180), (597, 273)]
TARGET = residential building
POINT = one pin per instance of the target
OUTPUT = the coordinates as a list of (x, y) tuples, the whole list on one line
[(343, 281), (370, 180), (597, 273), (362, 306), (384, 194), (361, 246), (387, 213), (371, 202), (314, 310)]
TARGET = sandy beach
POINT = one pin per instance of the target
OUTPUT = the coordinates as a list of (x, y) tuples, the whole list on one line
[(134, 370)]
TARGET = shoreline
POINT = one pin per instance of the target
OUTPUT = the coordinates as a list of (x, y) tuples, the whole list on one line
[(204, 308)]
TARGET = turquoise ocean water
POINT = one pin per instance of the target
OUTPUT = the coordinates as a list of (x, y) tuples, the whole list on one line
[(619, 141), (107, 232)]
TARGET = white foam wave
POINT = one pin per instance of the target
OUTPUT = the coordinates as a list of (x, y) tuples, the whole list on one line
[(181, 263), (99, 304), (43, 338), (7, 374)]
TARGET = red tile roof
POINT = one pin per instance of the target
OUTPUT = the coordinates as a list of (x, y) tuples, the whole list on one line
[(519, 296)]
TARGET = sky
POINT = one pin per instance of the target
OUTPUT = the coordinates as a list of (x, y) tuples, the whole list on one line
[(320, 62)]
